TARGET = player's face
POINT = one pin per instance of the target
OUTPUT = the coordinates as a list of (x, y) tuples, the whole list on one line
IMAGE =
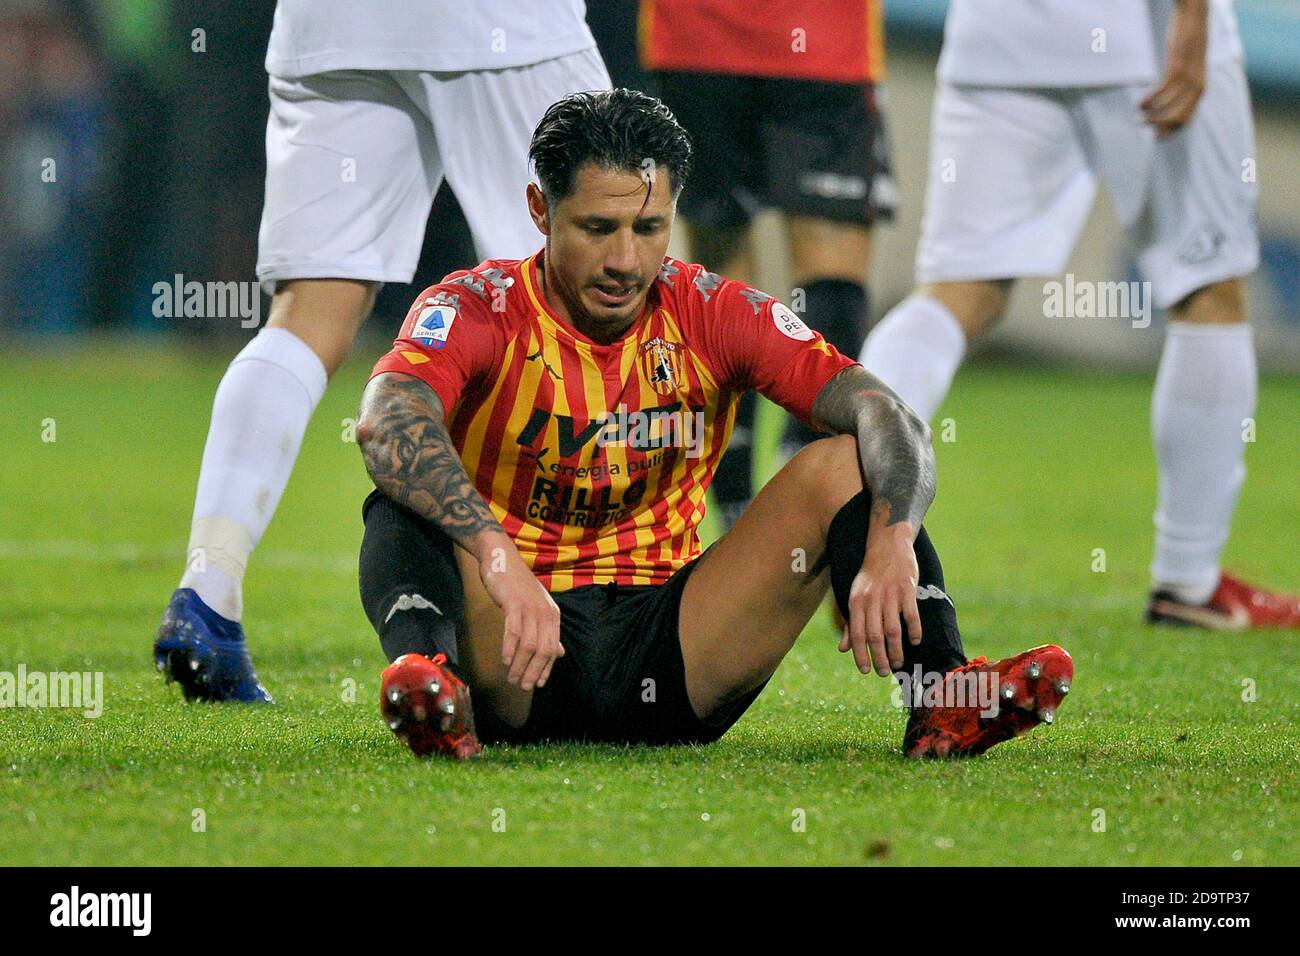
[(605, 243)]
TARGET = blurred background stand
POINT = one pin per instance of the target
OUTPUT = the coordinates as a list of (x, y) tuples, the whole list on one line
[(132, 149)]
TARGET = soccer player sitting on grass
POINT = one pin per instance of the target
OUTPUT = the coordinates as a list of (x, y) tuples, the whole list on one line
[(541, 438)]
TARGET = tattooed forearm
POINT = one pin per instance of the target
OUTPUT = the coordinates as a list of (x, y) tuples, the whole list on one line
[(893, 443), (409, 454)]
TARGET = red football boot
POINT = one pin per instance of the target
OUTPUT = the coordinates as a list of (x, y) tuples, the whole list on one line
[(1019, 692), (428, 707), (1234, 606)]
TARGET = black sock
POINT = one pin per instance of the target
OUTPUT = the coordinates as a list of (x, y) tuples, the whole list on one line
[(846, 546), (733, 480), (410, 583), (838, 309)]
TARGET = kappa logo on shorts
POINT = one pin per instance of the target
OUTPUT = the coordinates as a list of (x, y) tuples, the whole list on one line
[(1203, 246), (408, 601), (833, 186), (434, 325), (789, 324), (929, 591)]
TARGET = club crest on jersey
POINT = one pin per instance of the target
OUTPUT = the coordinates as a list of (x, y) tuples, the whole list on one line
[(790, 324), (661, 364), (433, 325)]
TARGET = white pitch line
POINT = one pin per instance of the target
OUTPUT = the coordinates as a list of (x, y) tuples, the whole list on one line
[(119, 553), (95, 553)]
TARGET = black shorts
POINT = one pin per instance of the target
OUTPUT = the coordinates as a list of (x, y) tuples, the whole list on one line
[(804, 147), (622, 678)]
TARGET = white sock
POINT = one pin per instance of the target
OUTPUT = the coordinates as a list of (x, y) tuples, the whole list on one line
[(915, 350), (1205, 390), (259, 416)]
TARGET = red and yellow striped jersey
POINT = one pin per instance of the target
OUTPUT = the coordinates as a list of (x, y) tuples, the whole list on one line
[(596, 458)]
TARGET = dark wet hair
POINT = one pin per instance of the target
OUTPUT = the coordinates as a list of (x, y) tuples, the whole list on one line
[(616, 129)]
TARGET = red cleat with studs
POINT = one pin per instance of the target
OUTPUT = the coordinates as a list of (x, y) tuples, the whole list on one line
[(1027, 692), (1234, 606), (428, 708)]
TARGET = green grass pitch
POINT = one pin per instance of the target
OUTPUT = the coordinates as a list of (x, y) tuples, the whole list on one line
[(1184, 744)]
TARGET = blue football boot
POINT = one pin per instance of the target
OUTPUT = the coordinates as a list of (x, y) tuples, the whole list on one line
[(205, 653)]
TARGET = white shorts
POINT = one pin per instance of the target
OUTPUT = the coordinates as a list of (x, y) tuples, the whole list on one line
[(1013, 173), (354, 159)]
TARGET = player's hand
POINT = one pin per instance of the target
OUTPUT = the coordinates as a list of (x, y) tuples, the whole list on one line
[(531, 643), (883, 592), (1170, 106)]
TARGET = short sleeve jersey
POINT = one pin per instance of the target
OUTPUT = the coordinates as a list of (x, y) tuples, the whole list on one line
[(596, 457)]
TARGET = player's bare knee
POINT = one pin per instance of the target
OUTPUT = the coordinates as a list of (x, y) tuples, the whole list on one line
[(831, 470), (825, 249), (324, 313), (975, 305), (1217, 303), (834, 451)]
